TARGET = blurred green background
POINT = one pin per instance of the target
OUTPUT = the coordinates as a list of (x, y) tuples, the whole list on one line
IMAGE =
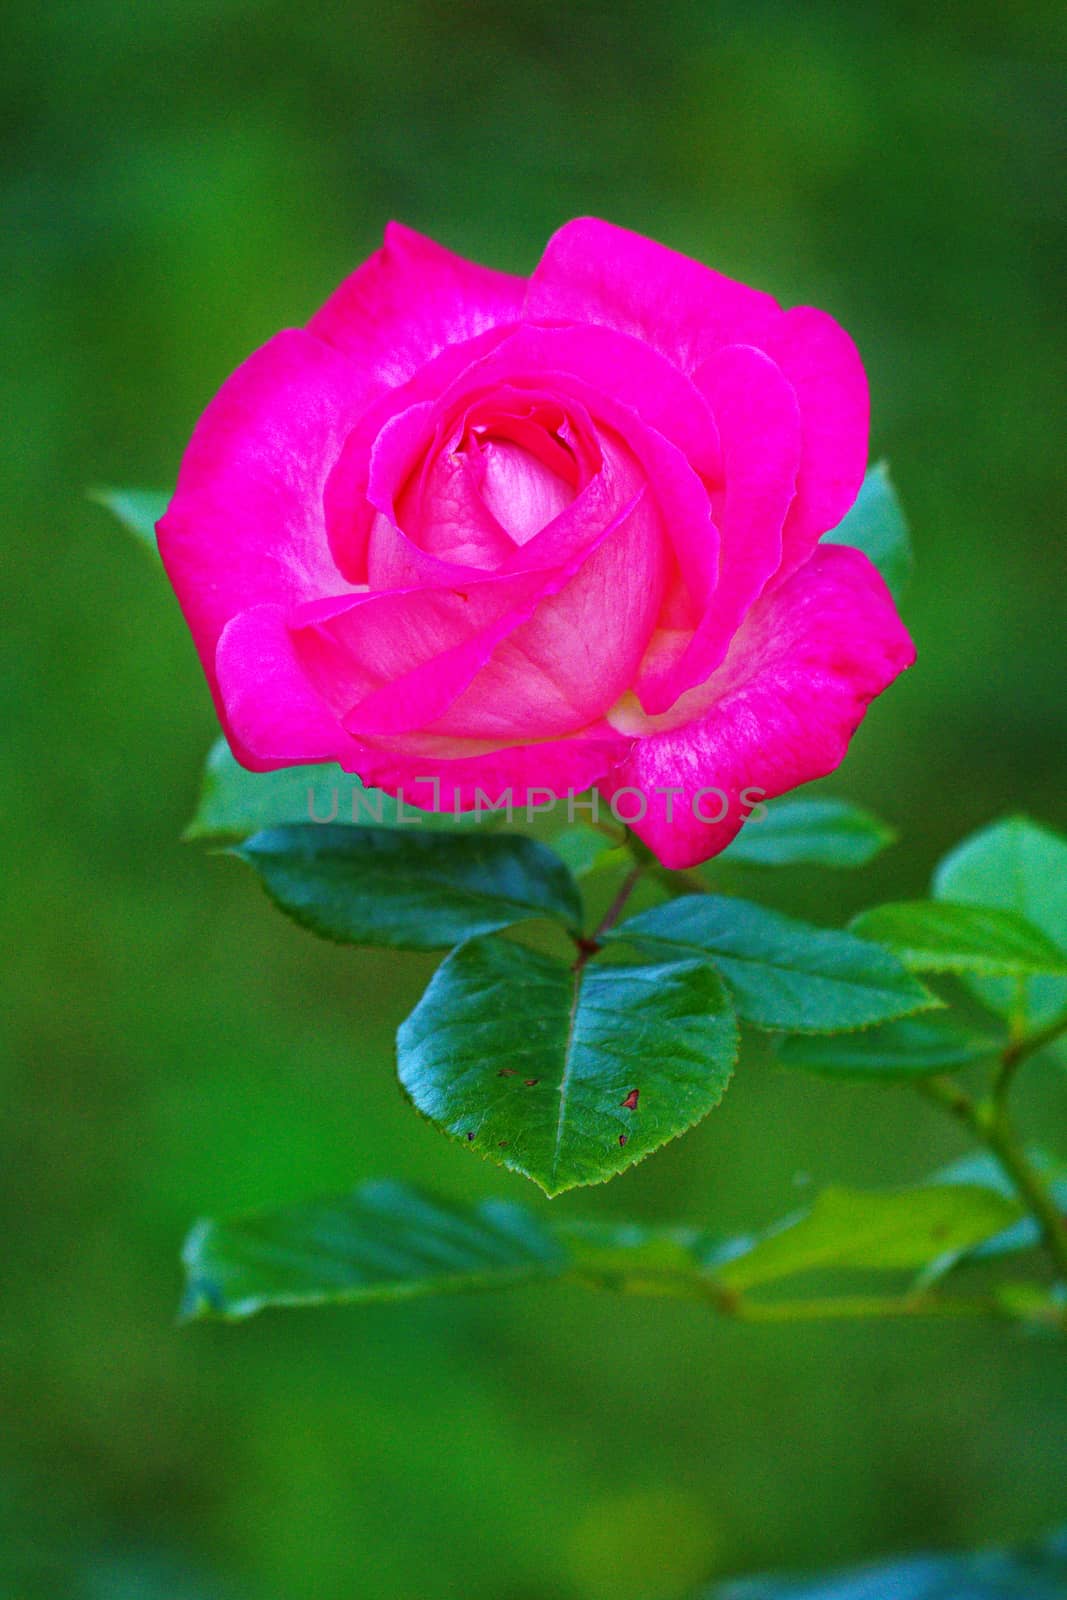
[(181, 179)]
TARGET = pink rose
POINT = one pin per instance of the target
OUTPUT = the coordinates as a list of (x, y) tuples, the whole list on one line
[(550, 533)]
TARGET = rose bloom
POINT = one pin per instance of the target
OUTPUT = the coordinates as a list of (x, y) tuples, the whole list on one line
[(541, 534)]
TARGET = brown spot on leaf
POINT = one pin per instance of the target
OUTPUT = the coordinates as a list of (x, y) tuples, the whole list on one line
[(507, 1072), (630, 1102), (529, 1082), (470, 1136), (503, 1144), (622, 1138)]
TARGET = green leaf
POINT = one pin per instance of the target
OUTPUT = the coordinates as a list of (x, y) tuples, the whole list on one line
[(235, 803), (876, 526), (1024, 1234), (409, 890), (913, 1047), (1014, 865), (783, 973), (982, 1168), (385, 1242), (937, 936), (636, 1258), (868, 1230), (567, 1076), (584, 850), (1043, 1310), (137, 509), (1031, 1573), (823, 833)]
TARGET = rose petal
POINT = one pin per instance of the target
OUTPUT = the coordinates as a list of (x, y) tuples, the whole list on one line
[(626, 376), (405, 654), (411, 300), (824, 367), (271, 713), (440, 504), (463, 775), (349, 514), (395, 560), (594, 272), (273, 717), (403, 659), (565, 366), (779, 712), (760, 435), (245, 526), (645, 396), (580, 648), (523, 494)]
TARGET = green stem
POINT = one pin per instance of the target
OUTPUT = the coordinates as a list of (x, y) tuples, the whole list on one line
[(644, 862), (991, 1125), (1003, 1140), (856, 1307), (588, 946), (943, 1092), (828, 1308), (618, 905), (1021, 1049)]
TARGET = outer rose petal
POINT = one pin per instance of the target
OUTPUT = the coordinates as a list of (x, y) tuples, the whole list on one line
[(760, 433), (592, 271), (409, 301), (272, 715), (824, 367), (472, 777), (245, 526), (795, 686)]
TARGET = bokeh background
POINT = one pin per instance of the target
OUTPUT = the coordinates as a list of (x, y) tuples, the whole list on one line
[(181, 179)]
